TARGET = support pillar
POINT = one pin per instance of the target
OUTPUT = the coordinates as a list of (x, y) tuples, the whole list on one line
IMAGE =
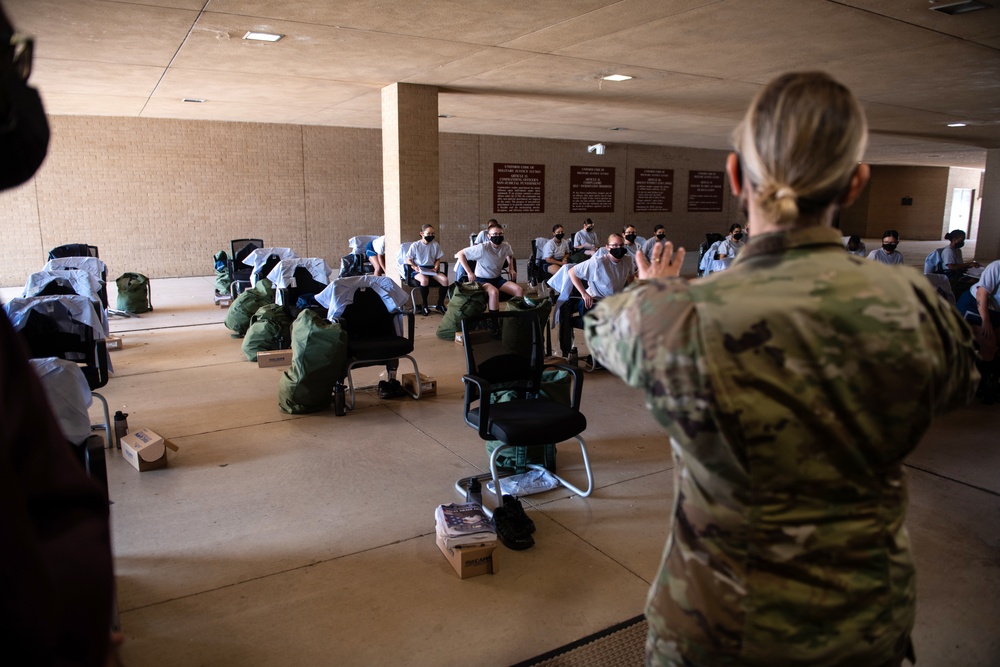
[(410, 171), (988, 236)]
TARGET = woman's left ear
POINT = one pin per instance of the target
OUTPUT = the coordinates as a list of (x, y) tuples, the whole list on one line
[(858, 182), (735, 174)]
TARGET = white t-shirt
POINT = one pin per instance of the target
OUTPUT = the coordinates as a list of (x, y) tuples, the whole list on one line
[(424, 254), (582, 238), (882, 257), (555, 249), (489, 258), (604, 276), (989, 281)]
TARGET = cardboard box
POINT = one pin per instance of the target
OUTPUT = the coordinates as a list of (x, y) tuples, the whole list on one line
[(144, 450), (428, 385), (274, 358), (114, 342), (471, 561)]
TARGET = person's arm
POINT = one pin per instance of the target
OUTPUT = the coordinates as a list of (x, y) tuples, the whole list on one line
[(437, 260), (588, 300), (983, 302), (460, 256)]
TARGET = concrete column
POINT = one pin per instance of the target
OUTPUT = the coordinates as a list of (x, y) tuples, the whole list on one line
[(988, 238), (409, 164)]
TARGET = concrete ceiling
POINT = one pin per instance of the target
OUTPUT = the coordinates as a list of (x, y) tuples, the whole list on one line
[(528, 67)]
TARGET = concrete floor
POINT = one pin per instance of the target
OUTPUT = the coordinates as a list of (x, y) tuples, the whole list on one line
[(309, 540)]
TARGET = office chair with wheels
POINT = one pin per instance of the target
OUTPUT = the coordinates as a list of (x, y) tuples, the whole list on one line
[(368, 309), (504, 353), (239, 273)]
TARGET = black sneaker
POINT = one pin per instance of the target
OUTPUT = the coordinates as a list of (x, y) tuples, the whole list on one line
[(424, 311), (396, 389), (510, 532), (384, 389), (517, 514)]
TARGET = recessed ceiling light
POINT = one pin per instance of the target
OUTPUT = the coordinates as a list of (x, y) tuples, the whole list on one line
[(616, 77), (262, 36), (956, 124), (616, 129), (196, 100), (959, 7)]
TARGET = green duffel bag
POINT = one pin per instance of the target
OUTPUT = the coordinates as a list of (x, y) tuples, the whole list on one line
[(268, 326), (466, 300), (319, 360), (246, 305), (133, 293), (222, 280), (557, 386), (517, 335)]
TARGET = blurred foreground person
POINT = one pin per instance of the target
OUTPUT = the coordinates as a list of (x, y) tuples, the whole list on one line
[(55, 560), (792, 386)]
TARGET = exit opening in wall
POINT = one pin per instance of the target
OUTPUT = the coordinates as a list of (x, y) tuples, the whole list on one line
[(962, 200)]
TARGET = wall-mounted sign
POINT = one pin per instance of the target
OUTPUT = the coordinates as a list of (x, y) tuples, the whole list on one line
[(518, 188), (591, 189), (705, 191), (654, 190)]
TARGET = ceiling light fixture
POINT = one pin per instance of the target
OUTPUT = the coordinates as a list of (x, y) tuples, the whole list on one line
[(196, 100), (957, 124), (262, 36), (616, 129), (616, 77), (444, 115), (962, 7)]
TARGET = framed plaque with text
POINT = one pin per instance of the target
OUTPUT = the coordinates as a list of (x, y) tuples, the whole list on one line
[(518, 188), (654, 191), (591, 189), (705, 191)]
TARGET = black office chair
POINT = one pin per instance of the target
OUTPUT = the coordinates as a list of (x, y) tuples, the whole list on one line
[(504, 353), (373, 338), (51, 329), (73, 250), (304, 286), (239, 273)]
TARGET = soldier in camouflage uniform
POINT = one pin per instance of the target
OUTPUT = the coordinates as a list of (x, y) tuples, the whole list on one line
[(792, 387)]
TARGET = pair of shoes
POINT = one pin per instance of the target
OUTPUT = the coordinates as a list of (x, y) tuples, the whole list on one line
[(510, 531), (516, 511), (424, 311)]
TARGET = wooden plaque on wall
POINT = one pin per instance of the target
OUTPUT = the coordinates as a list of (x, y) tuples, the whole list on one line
[(591, 189), (518, 188), (654, 191), (705, 190)]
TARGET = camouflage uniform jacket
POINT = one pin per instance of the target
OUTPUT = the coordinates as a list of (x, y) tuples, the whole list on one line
[(792, 386)]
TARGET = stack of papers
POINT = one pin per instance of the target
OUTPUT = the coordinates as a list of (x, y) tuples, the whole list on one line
[(463, 525)]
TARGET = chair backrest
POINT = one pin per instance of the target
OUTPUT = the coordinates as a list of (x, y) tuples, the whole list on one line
[(73, 250), (405, 271), (47, 336), (271, 261), (506, 349), (933, 262), (367, 317), (240, 248)]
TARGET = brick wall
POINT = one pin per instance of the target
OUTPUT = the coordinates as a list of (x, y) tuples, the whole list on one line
[(162, 196)]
